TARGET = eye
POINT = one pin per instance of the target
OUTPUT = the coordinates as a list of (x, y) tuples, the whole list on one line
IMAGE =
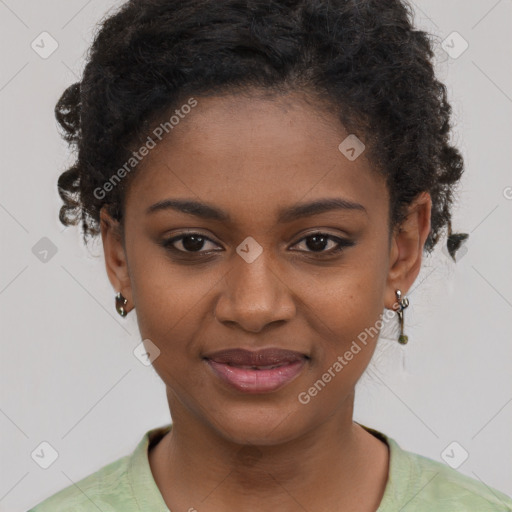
[(190, 242), (317, 242)]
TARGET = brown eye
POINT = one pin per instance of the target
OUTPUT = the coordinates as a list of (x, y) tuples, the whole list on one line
[(190, 243), (317, 243)]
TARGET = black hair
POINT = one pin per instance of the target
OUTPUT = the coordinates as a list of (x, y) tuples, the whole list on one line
[(363, 58)]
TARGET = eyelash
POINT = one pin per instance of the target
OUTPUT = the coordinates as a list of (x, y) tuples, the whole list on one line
[(342, 243)]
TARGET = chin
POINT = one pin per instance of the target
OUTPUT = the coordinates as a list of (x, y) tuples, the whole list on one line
[(259, 425)]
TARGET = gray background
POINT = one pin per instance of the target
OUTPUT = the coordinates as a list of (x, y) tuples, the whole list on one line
[(68, 375)]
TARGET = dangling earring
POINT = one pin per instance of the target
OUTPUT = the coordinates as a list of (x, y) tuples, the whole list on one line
[(120, 303), (402, 304)]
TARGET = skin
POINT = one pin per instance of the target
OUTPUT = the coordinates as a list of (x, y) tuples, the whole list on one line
[(250, 156)]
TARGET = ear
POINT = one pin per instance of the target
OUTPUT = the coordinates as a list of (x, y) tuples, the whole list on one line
[(115, 256), (406, 250)]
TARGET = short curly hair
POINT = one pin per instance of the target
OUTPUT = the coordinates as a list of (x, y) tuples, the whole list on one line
[(363, 58)]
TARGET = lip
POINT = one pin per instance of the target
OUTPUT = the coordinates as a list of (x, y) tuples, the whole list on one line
[(263, 357), (233, 367)]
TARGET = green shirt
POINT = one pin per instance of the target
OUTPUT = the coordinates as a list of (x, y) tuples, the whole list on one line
[(415, 484)]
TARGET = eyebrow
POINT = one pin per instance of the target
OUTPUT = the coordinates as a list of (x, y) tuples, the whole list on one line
[(287, 214)]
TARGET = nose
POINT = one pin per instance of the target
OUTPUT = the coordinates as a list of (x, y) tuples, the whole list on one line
[(255, 295)]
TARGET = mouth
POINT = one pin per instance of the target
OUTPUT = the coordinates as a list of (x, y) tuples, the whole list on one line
[(261, 371)]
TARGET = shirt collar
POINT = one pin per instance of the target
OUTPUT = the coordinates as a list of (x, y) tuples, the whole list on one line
[(145, 491), (399, 472), (148, 496)]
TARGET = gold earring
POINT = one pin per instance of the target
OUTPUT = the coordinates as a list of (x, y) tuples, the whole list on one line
[(120, 303), (402, 304)]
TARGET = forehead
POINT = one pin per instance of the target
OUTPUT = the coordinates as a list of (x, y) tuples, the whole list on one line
[(251, 156)]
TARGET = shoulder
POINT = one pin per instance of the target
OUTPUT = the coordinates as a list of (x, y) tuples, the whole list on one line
[(107, 487), (433, 484), (420, 484)]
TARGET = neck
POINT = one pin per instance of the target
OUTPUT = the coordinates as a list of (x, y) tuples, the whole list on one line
[(330, 467)]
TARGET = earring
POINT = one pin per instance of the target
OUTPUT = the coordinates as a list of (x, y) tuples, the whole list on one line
[(120, 303), (402, 304)]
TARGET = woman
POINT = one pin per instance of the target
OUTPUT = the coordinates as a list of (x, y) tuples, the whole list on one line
[(265, 177)]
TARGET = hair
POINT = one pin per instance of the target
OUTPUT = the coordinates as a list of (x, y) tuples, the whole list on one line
[(362, 58)]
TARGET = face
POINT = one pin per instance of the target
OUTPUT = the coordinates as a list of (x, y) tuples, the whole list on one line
[(251, 276)]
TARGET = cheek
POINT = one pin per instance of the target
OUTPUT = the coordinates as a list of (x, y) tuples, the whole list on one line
[(346, 326), (170, 299), (343, 307), (171, 313), (171, 303)]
